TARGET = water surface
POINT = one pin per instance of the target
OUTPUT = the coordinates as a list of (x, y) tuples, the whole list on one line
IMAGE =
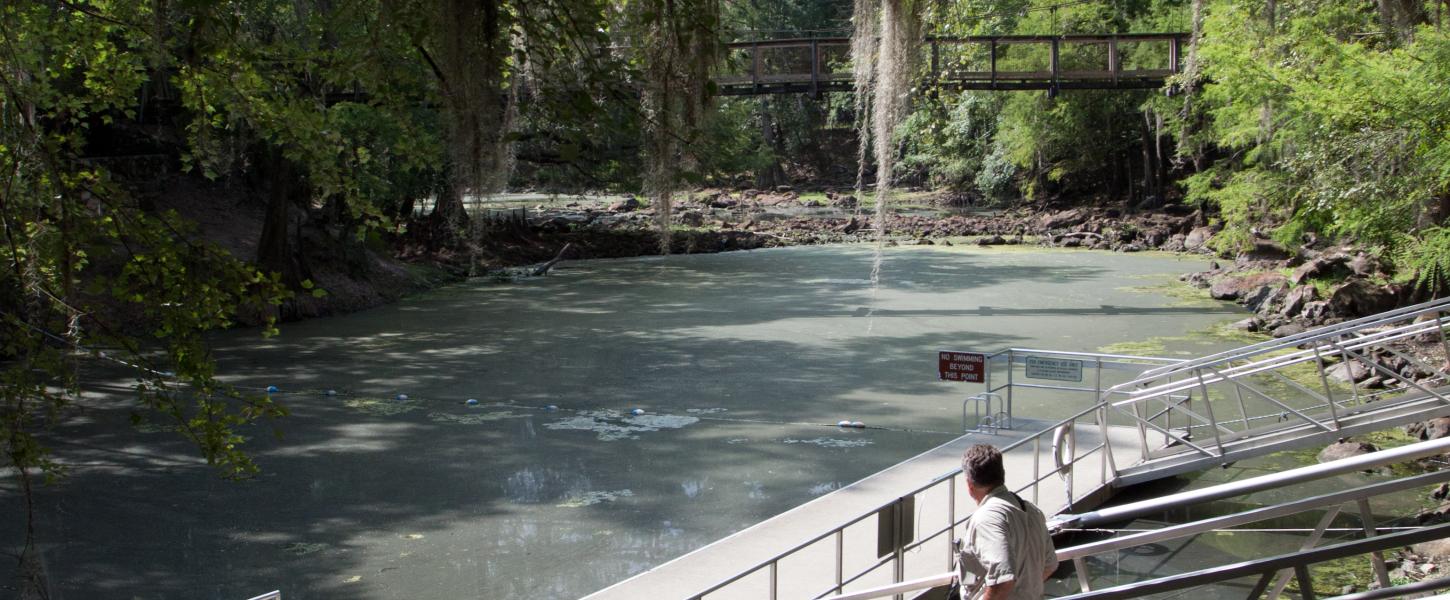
[(740, 363)]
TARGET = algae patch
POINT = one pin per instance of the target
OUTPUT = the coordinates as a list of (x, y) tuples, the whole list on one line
[(592, 498), (472, 418), (830, 442), (379, 407), (612, 426)]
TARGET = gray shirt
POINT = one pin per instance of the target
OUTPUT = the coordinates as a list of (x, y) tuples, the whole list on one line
[(1005, 542)]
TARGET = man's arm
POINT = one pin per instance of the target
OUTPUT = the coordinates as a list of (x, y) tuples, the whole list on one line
[(999, 591)]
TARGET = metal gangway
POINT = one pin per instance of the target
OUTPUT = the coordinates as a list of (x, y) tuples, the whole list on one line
[(1170, 417)]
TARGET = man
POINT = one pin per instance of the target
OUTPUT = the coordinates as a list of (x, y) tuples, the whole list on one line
[(1007, 553)]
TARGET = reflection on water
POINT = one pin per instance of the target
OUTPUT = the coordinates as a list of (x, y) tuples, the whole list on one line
[(552, 485)]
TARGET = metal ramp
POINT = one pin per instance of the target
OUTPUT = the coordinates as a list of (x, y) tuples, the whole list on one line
[(1239, 404)]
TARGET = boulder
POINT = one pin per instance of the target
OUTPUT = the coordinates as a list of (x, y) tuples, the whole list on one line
[(629, 203), (1366, 265), (1359, 297), (1249, 324), (1348, 371), (1264, 249), (1264, 298), (1234, 287), (1287, 330), (1345, 449), (1434, 548), (1433, 429), (1325, 265), (1296, 299), (1067, 218), (991, 241), (1315, 312), (692, 218), (1198, 238)]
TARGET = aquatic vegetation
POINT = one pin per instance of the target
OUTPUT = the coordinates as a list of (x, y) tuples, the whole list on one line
[(831, 442), (379, 407), (592, 498), (612, 426)]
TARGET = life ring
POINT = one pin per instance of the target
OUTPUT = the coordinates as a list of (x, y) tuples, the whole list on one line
[(1063, 439)]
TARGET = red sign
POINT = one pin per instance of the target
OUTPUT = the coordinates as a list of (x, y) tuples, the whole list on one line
[(961, 366)]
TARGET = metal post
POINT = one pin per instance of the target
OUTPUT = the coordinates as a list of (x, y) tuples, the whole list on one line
[(1036, 466), (1114, 66), (1053, 90), (1328, 393), (815, 69), (774, 580), (1440, 327), (1312, 541), (1011, 366), (1208, 408), (840, 558), (755, 68), (898, 555), (951, 518), (1080, 565), (1173, 52), (1306, 584), (992, 52), (1377, 558), (1344, 357)]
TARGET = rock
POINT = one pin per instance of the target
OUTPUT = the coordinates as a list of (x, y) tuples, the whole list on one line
[(722, 201), (995, 240), (1249, 324), (626, 205), (1296, 299), (1131, 248), (1373, 383), (784, 189), (1366, 265), (1348, 589), (925, 242), (1441, 492), (1267, 250), (1315, 312), (692, 218), (947, 243), (1067, 218), (1324, 265), (1198, 238), (1345, 449), (1435, 429), (1287, 330), (1264, 298), (1234, 287), (1359, 297), (1348, 371)]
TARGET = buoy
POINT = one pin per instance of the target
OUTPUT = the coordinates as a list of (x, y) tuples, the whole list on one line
[(271, 389), (858, 424), (636, 412), (551, 408), (331, 392), (402, 397), (843, 424), (471, 401)]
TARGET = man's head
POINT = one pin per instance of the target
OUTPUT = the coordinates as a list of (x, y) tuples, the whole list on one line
[(982, 465)]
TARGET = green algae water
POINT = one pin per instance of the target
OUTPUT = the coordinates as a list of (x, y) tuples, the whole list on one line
[(625, 412)]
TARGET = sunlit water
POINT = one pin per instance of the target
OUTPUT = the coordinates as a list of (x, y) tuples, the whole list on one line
[(740, 362)]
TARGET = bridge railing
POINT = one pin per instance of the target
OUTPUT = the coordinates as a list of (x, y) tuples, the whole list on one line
[(815, 65)]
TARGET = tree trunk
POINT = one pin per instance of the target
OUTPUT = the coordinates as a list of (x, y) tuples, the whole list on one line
[(279, 249), (771, 175)]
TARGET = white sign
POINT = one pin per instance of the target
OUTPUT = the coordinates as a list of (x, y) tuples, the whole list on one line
[(1056, 369)]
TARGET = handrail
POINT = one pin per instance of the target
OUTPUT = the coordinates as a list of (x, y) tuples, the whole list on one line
[(1249, 516), (1267, 566), (1294, 340)]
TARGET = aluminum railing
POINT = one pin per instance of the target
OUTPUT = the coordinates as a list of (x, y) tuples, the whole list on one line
[(1228, 383), (1333, 501)]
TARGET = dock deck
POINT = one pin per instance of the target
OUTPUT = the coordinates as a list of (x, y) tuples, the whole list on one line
[(813, 571)]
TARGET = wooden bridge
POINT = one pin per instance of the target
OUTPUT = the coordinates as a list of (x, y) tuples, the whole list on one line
[(1007, 62)]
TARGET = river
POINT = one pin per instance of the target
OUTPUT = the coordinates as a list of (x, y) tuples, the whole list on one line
[(550, 486)]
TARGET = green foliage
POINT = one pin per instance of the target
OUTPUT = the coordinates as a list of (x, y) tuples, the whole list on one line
[(1425, 261)]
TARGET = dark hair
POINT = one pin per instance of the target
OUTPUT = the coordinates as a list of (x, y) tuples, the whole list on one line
[(982, 464)]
